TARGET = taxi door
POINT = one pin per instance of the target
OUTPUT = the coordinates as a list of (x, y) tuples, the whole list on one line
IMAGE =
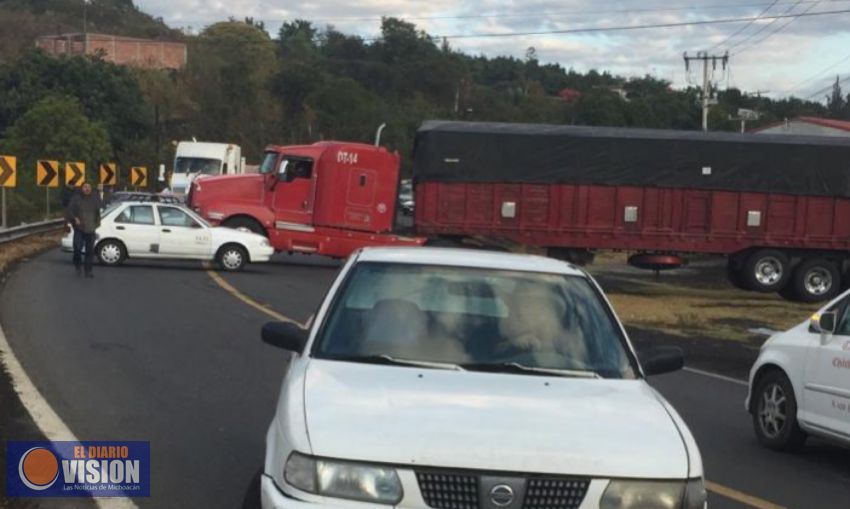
[(181, 236), (827, 376)]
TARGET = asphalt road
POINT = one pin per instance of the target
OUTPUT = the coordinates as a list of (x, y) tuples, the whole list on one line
[(161, 352)]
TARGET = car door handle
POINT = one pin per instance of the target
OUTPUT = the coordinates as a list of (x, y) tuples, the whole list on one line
[(119, 228), (166, 230)]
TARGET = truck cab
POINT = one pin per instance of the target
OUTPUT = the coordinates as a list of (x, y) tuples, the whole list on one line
[(195, 159), (328, 198)]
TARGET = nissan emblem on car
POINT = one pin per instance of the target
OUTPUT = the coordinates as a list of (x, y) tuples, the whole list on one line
[(502, 495)]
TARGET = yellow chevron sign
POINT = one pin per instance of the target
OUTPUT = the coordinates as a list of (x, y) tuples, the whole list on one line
[(47, 173), (109, 174), (139, 176), (75, 174), (8, 171)]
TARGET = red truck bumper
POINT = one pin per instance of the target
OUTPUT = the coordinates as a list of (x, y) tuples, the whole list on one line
[(333, 242)]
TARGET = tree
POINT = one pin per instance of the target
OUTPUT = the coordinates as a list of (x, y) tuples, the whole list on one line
[(229, 78), (835, 103), (107, 93), (54, 128)]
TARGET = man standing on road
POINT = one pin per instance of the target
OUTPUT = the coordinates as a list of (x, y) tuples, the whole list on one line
[(84, 215)]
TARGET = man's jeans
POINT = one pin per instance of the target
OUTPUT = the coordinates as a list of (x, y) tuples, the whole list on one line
[(81, 241)]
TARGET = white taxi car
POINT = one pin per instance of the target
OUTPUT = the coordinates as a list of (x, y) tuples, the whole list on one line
[(171, 231), (457, 379), (800, 383)]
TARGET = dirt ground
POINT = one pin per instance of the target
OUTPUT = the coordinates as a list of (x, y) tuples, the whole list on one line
[(720, 327), (23, 248)]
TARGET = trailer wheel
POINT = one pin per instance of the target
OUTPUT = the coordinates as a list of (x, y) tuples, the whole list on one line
[(766, 270), (815, 280)]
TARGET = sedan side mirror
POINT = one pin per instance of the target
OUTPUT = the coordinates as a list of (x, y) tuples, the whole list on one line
[(826, 323), (285, 335), (661, 359)]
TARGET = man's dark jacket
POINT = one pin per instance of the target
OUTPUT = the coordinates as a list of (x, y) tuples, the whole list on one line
[(86, 209)]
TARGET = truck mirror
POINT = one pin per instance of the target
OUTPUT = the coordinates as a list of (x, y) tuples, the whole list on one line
[(282, 174)]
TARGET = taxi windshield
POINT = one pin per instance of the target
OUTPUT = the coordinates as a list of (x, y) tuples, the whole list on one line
[(474, 318)]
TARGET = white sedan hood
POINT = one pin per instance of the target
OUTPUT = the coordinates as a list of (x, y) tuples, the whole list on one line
[(468, 420)]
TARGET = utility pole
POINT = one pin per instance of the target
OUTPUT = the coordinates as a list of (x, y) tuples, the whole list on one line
[(707, 75), (85, 28)]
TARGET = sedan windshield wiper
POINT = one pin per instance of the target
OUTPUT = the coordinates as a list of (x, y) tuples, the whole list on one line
[(395, 361), (515, 367)]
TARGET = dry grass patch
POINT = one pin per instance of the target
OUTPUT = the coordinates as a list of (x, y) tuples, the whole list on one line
[(28, 246), (695, 301)]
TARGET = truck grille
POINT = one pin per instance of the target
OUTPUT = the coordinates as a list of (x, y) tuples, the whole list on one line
[(452, 490), (449, 491)]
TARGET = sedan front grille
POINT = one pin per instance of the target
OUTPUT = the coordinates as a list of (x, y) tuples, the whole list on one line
[(454, 490), (555, 493), (448, 490)]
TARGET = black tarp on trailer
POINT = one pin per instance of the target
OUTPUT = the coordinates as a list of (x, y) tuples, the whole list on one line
[(448, 151)]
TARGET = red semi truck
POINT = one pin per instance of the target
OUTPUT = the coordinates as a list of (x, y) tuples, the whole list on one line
[(777, 206)]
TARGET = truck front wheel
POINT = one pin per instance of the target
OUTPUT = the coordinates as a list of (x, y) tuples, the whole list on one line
[(766, 270), (247, 223)]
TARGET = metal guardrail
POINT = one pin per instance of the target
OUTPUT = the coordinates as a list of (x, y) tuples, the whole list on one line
[(19, 232)]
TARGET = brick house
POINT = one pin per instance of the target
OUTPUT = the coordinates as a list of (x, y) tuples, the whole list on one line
[(145, 53)]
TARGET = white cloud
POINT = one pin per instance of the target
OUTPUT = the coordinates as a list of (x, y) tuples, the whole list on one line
[(775, 63)]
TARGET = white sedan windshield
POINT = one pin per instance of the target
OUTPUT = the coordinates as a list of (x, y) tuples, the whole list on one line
[(471, 317)]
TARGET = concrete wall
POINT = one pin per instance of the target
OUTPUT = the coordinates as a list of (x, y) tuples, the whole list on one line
[(804, 128)]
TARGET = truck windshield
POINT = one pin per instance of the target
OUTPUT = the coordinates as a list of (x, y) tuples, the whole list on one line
[(475, 319), (197, 165)]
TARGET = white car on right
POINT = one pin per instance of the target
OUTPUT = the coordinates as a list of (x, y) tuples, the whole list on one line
[(800, 383)]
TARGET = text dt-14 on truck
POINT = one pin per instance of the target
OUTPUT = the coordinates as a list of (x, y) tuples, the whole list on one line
[(776, 205)]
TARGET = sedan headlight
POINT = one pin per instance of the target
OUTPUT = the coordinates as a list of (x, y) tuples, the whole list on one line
[(654, 494), (342, 479), (265, 243)]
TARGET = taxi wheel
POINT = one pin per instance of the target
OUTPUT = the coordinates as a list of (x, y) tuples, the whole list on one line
[(775, 413), (111, 252), (232, 257)]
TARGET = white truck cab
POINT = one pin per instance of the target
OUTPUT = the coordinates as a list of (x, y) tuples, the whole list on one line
[(198, 158)]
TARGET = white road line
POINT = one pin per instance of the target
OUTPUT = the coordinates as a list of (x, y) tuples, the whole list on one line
[(718, 377), (47, 420)]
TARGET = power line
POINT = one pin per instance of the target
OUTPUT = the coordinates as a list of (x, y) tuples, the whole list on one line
[(623, 28), (827, 89), (799, 84), (748, 25), (763, 28), (681, 7), (585, 30), (774, 31)]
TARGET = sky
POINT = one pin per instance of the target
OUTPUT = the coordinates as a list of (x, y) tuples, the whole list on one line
[(775, 57)]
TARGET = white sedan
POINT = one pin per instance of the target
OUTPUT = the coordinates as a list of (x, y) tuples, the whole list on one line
[(457, 379), (170, 231), (800, 383)]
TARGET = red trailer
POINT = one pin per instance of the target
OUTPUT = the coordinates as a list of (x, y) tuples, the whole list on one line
[(777, 206)]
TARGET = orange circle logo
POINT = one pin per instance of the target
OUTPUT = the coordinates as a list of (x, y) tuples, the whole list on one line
[(38, 468)]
